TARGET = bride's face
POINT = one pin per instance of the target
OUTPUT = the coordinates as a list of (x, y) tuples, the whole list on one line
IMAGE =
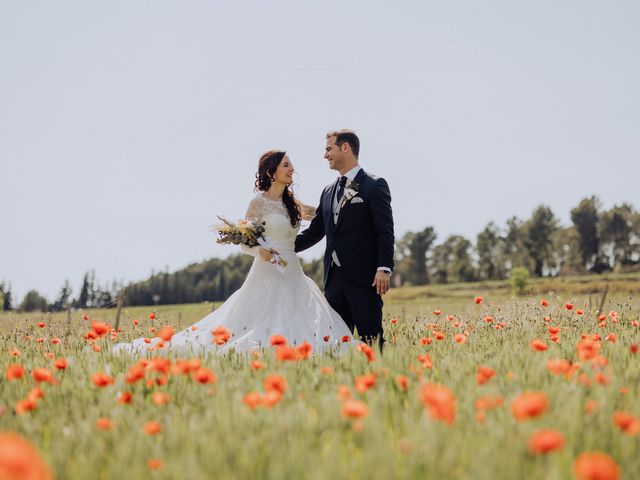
[(284, 171)]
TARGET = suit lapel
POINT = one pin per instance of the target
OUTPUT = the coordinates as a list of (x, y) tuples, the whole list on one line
[(358, 180), (328, 206)]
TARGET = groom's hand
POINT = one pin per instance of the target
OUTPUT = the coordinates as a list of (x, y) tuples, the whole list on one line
[(381, 282)]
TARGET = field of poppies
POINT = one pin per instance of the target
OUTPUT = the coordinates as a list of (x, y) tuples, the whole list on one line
[(535, 387)]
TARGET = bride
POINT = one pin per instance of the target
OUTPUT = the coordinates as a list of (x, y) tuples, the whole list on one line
[(272, 300)]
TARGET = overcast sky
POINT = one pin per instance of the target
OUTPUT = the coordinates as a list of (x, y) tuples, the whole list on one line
[(127, 126)]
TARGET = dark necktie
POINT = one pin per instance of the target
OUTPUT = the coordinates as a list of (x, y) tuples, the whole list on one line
[(342, 182)]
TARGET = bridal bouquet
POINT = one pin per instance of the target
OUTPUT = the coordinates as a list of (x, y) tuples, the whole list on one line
[(248, 233), (242, 233)]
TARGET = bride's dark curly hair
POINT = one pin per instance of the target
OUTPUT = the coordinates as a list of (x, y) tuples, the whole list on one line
[(267, 166)]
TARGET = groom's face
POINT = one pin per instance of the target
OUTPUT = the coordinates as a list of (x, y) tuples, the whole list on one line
[(333, 153)]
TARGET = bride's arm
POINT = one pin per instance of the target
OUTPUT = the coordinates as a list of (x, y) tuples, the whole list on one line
[(254, 214)]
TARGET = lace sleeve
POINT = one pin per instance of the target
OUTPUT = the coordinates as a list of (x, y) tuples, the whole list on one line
[(254, 213)]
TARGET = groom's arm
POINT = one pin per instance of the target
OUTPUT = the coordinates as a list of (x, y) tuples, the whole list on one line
[(380, 205), (314, 233)]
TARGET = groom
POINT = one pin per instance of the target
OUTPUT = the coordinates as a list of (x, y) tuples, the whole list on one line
[(355, 216)]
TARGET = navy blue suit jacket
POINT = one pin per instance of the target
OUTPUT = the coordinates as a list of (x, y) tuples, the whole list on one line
[(363, 235)]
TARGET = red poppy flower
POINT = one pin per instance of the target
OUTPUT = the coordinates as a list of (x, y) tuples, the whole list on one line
[(204, 375), (365, 382), (440, 401), (352, 408), (101, 379), (42, 375), (60, 363), (402, 382), (221, 335), (558, 366), (103, 423), (135, 373), (529, 405), (588, 348), (545, 441), (25, 405), (538, 345), (368, 351), (489, 402), (101, 328), (425, 360), (271, 398), (14, 372), (275, 382), (155, 464), (19, 459), (304, 350), (160, 398), (152, 428), (286, 354), (125, 398), (166, 333), (478, 300), (626, 422), (278, 341), (596, 466), (484, 374), (252, 400), (257, 365)]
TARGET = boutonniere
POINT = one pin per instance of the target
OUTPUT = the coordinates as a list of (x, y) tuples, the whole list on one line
[(350, 191)]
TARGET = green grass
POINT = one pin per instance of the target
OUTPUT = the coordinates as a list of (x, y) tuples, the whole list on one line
[(208, 432)]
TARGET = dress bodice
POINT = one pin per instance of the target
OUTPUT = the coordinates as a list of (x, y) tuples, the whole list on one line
[(277, 226)]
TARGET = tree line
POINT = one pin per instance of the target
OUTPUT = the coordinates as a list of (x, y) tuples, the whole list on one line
[(596, 241)]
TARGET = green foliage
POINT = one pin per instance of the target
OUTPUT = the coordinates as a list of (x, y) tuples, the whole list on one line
[(538, 232), (585, 218), (33, 302), (411, 255), (5, 297), (519, 279), (490, 248), (452, 262), (616, 233)]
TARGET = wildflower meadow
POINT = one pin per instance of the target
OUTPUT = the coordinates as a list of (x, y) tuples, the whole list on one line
[(482, 388)]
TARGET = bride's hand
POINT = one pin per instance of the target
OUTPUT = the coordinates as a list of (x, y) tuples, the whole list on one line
[(267, 254)]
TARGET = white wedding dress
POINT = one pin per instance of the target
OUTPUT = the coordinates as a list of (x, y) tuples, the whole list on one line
[(271, 301)]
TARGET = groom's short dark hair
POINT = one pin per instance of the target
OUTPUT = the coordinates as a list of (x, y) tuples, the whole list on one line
[(346, 136)]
